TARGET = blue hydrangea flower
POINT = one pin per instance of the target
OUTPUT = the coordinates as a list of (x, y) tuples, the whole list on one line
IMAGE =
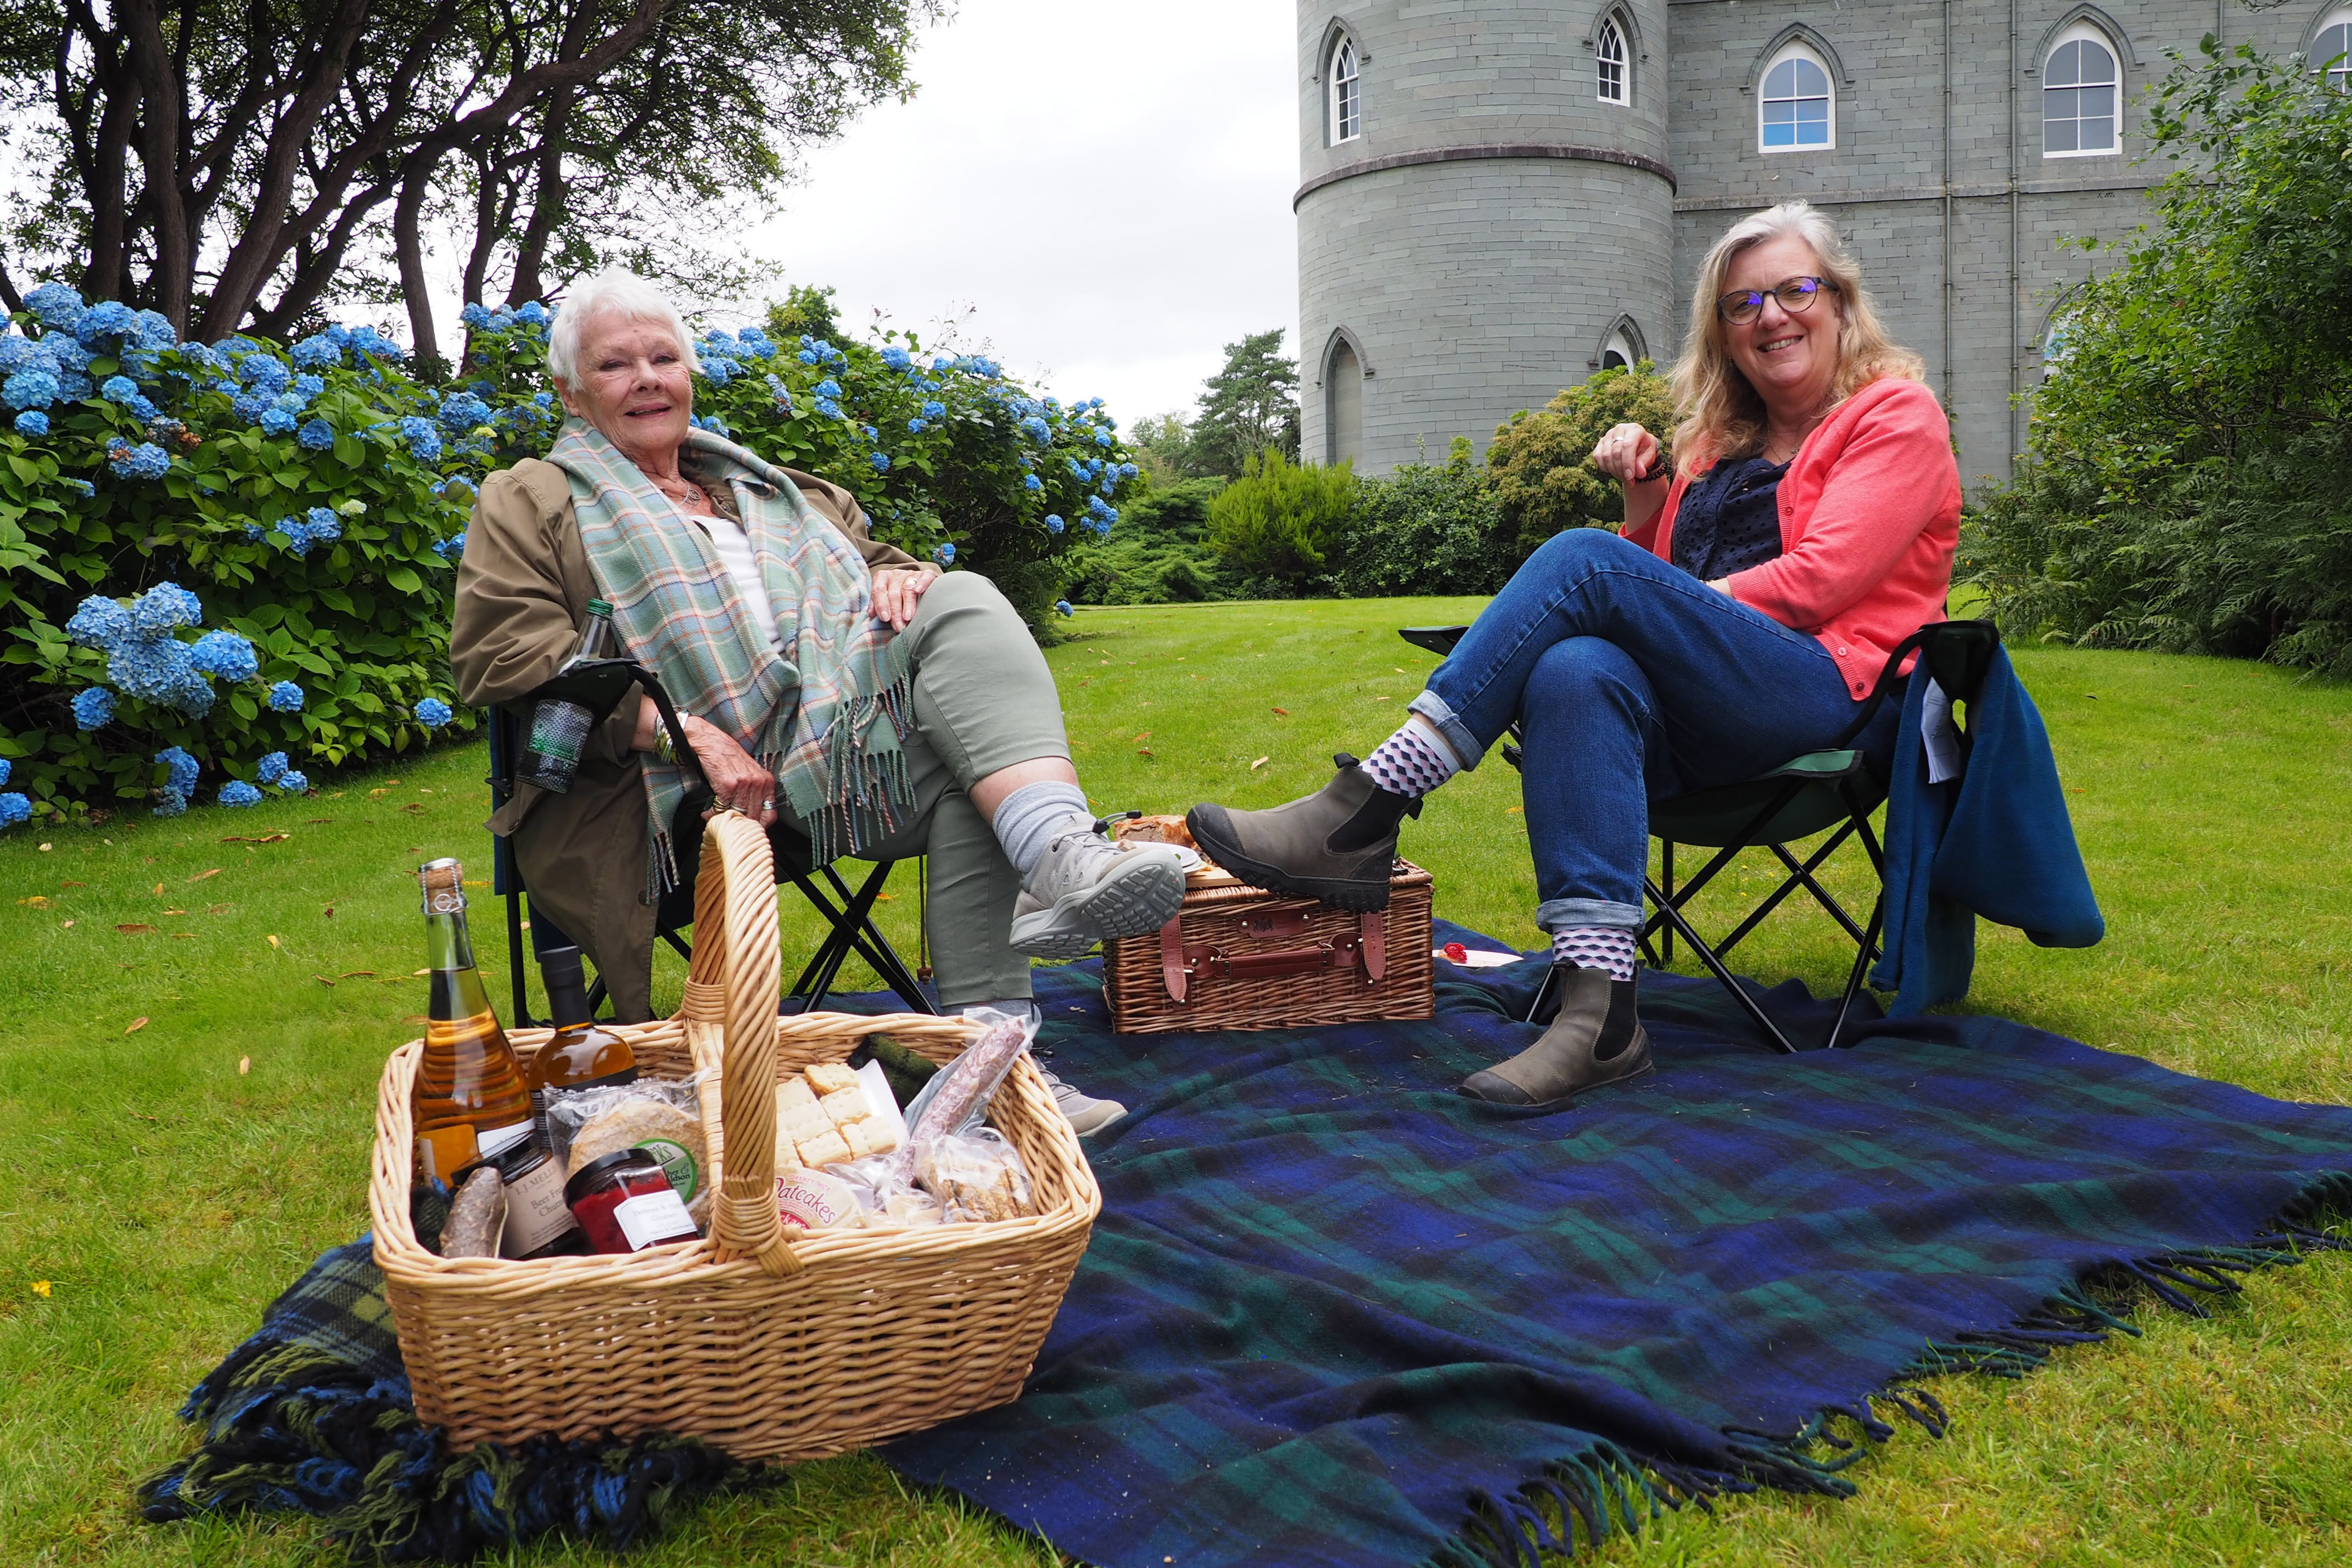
[(142, 408), (182, 775), (1031, 482), (238, 794), (164, 607), (1127, 470), (935, 410), (250, 406), (368, 341), (828, 408), (942, 362), (7, 767), (84, 485), (881, 461), (286, 698), (32, 422), (14, 808), (93, 708), (309, 386), (264, 372), (156, 669), (56, 305), (828, 388), (144, 461), (316, 352), (276, 421), (107, 319), (226, 655), (1102, 438), (945, 555), (915, 425), (463, 412), (424, 438), (254, 531), (119, 389), (1037, 430), (806, 356), (449, 549), (318, 436), (170, 802), (271, 768), (98, 622), (16, 351), (293, 783), (720, 370), (533, 313), (475, 316), (433, 713), (1054, 524), (34, 386), (896, 358), (1064, 605)]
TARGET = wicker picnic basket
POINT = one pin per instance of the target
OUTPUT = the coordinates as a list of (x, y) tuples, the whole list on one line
[(765, 1343), (1238, 957)]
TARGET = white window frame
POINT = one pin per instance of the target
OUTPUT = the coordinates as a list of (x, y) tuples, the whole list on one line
[(2339, 76), (1797, 49), (1344, 98), (2084, 32), (1613, 34)]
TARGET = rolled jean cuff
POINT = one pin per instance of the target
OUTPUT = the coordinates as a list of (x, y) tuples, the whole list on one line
[(1434, 708), (1555, 915)]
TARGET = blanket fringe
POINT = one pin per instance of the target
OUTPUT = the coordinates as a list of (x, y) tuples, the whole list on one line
[(1577, 1502)]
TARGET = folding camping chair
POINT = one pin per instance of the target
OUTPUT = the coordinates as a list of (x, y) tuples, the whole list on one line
[(1833, 790), (847, 911)]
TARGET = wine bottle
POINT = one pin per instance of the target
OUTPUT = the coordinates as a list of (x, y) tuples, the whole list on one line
[(470, 1100), (579, 1055), (550, 759)]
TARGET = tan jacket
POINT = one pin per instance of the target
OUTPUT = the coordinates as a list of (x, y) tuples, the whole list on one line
[(523, 588)]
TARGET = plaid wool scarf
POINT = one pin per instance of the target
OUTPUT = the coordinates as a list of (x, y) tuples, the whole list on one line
[(827, 717)]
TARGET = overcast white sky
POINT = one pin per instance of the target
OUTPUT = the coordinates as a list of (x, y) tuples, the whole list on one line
[(1103, 184)]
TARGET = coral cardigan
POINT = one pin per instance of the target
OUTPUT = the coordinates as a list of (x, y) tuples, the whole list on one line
[(1870, 513)]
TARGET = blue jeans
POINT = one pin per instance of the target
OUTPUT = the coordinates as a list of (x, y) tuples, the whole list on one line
[(1632, 681)]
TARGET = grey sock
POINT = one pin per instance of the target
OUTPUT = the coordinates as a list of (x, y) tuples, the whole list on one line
[(1026, 822)]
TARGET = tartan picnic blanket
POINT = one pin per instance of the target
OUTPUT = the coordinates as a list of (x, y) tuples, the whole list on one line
[(1334, 1313)]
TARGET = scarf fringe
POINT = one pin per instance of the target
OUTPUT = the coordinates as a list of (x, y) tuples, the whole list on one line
[(1577, 1502)]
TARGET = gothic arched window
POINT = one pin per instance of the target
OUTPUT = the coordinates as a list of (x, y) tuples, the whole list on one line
[(1795, 107), (2331, 52), (1614, 77), (1346, 112), (1343, 406), (2081, 96)]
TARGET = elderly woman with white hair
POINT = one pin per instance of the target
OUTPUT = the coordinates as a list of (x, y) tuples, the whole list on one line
[(834, 688), (1740, 621)]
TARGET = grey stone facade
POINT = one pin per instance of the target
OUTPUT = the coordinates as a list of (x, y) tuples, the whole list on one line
[(1494, 229)]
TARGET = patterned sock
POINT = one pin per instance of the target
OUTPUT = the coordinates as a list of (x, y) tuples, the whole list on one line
[(1413, 761), (1595, 947)]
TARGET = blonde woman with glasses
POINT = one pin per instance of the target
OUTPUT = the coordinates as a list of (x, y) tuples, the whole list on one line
[(1805, 527)]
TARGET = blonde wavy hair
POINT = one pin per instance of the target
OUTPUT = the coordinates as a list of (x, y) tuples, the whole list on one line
[(1721, 415)]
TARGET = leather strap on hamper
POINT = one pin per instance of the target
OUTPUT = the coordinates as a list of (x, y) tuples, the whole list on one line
[(1180, 962)]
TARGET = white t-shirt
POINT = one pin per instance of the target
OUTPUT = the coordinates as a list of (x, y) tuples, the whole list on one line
[(742, 563)]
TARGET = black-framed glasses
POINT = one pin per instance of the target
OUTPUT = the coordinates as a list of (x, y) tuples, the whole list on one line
[(1796, 296)]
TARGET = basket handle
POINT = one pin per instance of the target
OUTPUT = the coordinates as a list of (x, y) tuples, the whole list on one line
[(733, 982)]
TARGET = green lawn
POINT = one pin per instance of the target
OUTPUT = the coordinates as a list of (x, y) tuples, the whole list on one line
[(163, 1194)]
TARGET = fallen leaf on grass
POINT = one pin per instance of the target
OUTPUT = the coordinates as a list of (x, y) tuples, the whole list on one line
[(321, 821), (884, 898), (373, 793), (265, 838), (356, 974), (1143, 737), (136, 1024), (46, 848), (73, 884), (1515, 810), (217, 910), (186, 935), (41, 1288), (175, 911), (1399, 669), (38, 902), (159, 890), (415, 807), (322, 979), (330, 911), (419, 974), (276, 944), (244, 1065), (134, 929), (1259, 763), (68, 925), (1282, 713), (1143, 751), (202, 875)]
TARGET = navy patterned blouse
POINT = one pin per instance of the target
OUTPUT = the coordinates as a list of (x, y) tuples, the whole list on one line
[(1730, 519)]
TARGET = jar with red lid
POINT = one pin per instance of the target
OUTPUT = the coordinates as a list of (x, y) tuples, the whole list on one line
[(626, 1203)]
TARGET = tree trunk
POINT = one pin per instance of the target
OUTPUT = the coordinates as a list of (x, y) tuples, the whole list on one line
[(415, 180), (108, 218), (173, 278), (547, 201)]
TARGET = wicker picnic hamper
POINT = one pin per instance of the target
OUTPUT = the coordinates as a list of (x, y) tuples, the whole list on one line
[(1237, 957), (766, 1344)]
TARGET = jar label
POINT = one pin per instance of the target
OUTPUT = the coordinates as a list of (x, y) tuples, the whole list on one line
[(536, 1213), (496, 1140), (678, 1165), (650, 1218)]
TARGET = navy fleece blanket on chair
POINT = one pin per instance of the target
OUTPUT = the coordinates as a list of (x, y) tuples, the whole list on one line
[(1336, 1314)]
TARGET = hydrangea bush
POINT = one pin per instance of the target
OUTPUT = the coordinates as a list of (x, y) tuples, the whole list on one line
[(216, 560)]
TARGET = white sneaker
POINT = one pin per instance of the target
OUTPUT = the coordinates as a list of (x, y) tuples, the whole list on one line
[(1086, 1114), (1089, 889)]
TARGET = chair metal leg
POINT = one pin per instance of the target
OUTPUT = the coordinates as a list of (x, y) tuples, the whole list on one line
[(1534, 1008), (1715, 965), (523, 1019), (1667, 875), (1862, 958)]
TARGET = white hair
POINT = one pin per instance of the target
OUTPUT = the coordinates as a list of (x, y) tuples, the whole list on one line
[(615, 291)]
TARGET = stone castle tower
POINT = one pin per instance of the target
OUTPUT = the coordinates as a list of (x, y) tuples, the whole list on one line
[(1498, 197)]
